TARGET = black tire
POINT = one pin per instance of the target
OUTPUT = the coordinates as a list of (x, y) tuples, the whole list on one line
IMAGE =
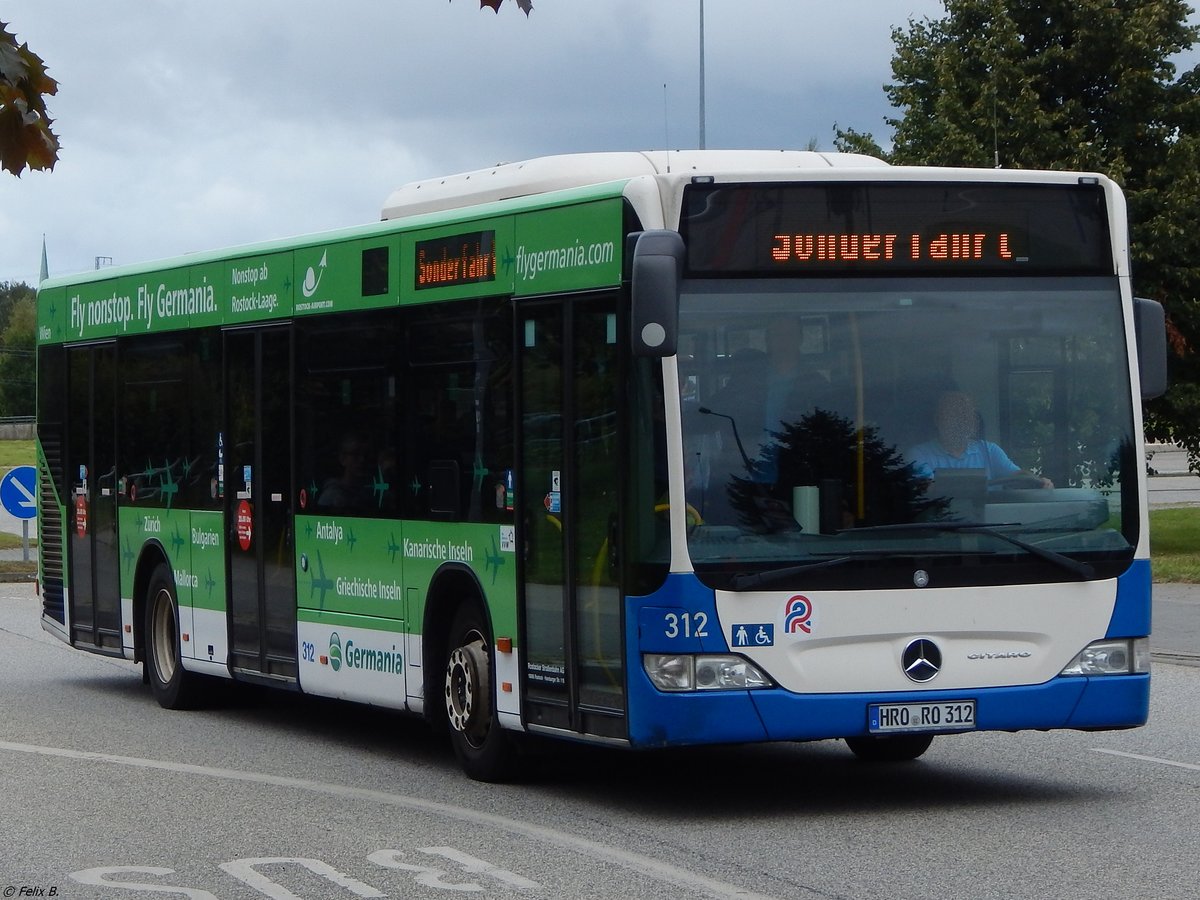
[(173, 686), (890, 748), (484, 750)]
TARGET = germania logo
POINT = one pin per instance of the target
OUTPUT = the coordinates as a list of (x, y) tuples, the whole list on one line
[(335, 651), (368, 659)]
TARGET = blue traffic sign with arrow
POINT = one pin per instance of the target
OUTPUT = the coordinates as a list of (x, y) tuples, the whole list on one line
[(18, 492)]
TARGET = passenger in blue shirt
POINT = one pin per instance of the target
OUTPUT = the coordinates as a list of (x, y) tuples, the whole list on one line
[(958, 447)]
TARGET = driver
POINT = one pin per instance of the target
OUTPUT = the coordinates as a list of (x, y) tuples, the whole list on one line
[(957, 445)]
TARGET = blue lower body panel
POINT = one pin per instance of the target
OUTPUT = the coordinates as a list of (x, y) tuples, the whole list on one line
[(658, 719), (1113, 702)]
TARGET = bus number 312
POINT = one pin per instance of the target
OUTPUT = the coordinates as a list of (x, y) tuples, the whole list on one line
[(688, 625)]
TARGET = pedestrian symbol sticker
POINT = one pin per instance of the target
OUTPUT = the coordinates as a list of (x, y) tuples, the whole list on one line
[(757, 634)]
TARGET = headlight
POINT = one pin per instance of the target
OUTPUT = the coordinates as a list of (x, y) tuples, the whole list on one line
[(689, 672), (1124, 657), (670, 673)]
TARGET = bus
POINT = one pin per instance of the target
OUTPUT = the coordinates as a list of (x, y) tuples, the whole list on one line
[(626, 448)]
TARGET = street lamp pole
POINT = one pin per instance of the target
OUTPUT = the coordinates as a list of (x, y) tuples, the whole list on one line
[(701, 74)]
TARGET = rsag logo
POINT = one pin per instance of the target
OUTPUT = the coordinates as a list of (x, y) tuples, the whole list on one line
[(798, 615), (335, 651)]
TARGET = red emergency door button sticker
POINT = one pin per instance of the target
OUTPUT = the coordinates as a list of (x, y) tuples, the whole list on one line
[(81, 515), (245, 524)]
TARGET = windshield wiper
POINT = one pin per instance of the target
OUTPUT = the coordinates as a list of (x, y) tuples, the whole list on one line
[(747, 580), (1081, 570)]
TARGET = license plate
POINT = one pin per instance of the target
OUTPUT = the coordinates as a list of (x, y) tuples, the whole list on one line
[(958, 715)]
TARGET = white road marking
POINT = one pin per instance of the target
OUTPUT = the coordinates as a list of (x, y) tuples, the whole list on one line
[(636, 862), (1154, 759)]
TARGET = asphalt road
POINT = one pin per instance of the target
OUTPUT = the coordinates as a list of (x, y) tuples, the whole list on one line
[(263, 794), (1175, 624)]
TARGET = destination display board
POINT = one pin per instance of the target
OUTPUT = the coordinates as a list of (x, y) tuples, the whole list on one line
[(456, 259), (913, 228)]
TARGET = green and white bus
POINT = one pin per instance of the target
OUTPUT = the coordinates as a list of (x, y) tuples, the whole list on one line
[(629, 448)]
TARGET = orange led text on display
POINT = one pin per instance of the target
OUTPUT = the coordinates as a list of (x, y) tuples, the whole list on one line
[(470, 264), (884, 247), (461, 259)]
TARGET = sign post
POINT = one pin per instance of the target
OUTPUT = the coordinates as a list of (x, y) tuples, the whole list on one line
[(18, 494)]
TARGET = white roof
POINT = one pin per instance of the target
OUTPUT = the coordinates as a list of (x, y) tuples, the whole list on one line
[(553, 173)]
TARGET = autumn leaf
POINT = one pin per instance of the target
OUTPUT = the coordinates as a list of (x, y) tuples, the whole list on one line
[(26, 139)]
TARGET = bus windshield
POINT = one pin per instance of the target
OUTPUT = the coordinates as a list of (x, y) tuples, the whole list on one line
[(869, 431)]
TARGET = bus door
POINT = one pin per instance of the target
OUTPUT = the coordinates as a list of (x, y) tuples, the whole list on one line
[(257, 465), (569, 485), (95, 589)]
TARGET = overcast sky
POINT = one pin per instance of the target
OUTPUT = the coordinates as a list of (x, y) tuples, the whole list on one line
[(195, 125)]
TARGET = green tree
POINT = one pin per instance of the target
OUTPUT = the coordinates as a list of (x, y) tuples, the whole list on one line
[(26, 139), (1073, 84), (11, 293), (18, 324)]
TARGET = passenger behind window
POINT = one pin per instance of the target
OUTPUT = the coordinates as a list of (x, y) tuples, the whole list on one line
[(352, 489)]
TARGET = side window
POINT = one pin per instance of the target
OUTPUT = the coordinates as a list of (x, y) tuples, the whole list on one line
[(407, 413), (348, 393), (51, 410), (203, 488), (169, 421), (459, 412), (374, 271)]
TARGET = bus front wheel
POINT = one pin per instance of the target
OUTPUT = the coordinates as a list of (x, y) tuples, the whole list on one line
[(173, 686), (889, 748), (483, 749)]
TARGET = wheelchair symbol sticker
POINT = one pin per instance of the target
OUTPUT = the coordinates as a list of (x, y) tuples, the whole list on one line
[(757, 634)]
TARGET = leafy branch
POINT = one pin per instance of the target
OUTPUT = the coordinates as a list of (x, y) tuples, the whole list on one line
[(526, 6), (26, 139)]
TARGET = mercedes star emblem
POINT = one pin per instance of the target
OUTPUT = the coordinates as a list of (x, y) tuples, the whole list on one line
[(922, 660)]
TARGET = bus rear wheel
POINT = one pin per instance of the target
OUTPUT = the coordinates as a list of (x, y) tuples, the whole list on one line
[(890, 748), (484, 751), (173, 686)]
